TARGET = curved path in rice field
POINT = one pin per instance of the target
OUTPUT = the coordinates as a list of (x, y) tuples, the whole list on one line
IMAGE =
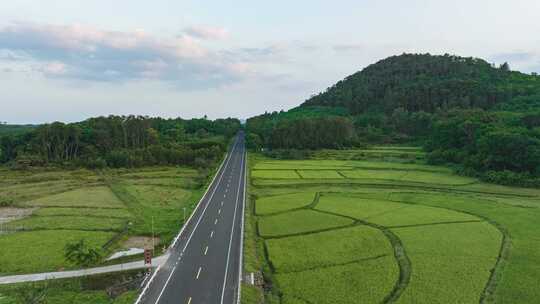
[(408, 250)]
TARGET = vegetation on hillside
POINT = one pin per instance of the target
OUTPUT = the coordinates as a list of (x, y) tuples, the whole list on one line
[(483, 119), (422, 82), (500, 147)]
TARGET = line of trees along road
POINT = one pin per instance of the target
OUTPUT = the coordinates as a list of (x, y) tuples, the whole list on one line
[(121, 141)]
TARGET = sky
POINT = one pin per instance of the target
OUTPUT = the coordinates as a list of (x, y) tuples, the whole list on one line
[(68, 60)]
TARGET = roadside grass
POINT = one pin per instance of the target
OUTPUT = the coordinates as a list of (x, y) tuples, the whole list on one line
[(279, 203), (319, 174), (31, 251), (82, 290), (278, 174), (451, 263), (325, 249), (297, 222), (364, 282), (251, 295)]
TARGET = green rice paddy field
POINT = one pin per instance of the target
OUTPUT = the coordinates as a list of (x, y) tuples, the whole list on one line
[(338, 229)]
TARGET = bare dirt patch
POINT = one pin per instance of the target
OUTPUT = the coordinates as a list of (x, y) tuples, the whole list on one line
[(139, 242)]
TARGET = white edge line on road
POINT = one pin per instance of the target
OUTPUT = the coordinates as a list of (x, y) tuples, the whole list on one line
[(226, 163), (209, 200), (242, 164), (240, 270), (200, 218), (148, 283), (225, 160)]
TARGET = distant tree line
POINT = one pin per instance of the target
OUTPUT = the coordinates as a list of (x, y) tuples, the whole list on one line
[(501, 147), (6, 128), (120, 141), (309, 128)]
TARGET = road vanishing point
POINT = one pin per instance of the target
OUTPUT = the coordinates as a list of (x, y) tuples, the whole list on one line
[(205, 259)]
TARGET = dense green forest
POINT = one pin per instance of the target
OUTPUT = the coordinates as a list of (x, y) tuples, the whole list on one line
[(6, 129), (485, 120), (422, 82), (120, 141)]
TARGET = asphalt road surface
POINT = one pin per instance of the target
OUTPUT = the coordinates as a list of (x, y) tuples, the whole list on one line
[(204, 265)]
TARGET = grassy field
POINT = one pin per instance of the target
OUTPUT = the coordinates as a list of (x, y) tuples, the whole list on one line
[(348, 227), (107, 209)]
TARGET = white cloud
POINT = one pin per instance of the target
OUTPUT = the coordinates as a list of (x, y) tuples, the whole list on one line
[(54, 68), (87, 53), (207, 32), (348, 47)]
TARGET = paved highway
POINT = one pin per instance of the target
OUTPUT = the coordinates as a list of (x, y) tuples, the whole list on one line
[(205, 260)]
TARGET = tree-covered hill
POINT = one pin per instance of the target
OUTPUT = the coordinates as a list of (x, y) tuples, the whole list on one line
[(423, 82), (464, 111)]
